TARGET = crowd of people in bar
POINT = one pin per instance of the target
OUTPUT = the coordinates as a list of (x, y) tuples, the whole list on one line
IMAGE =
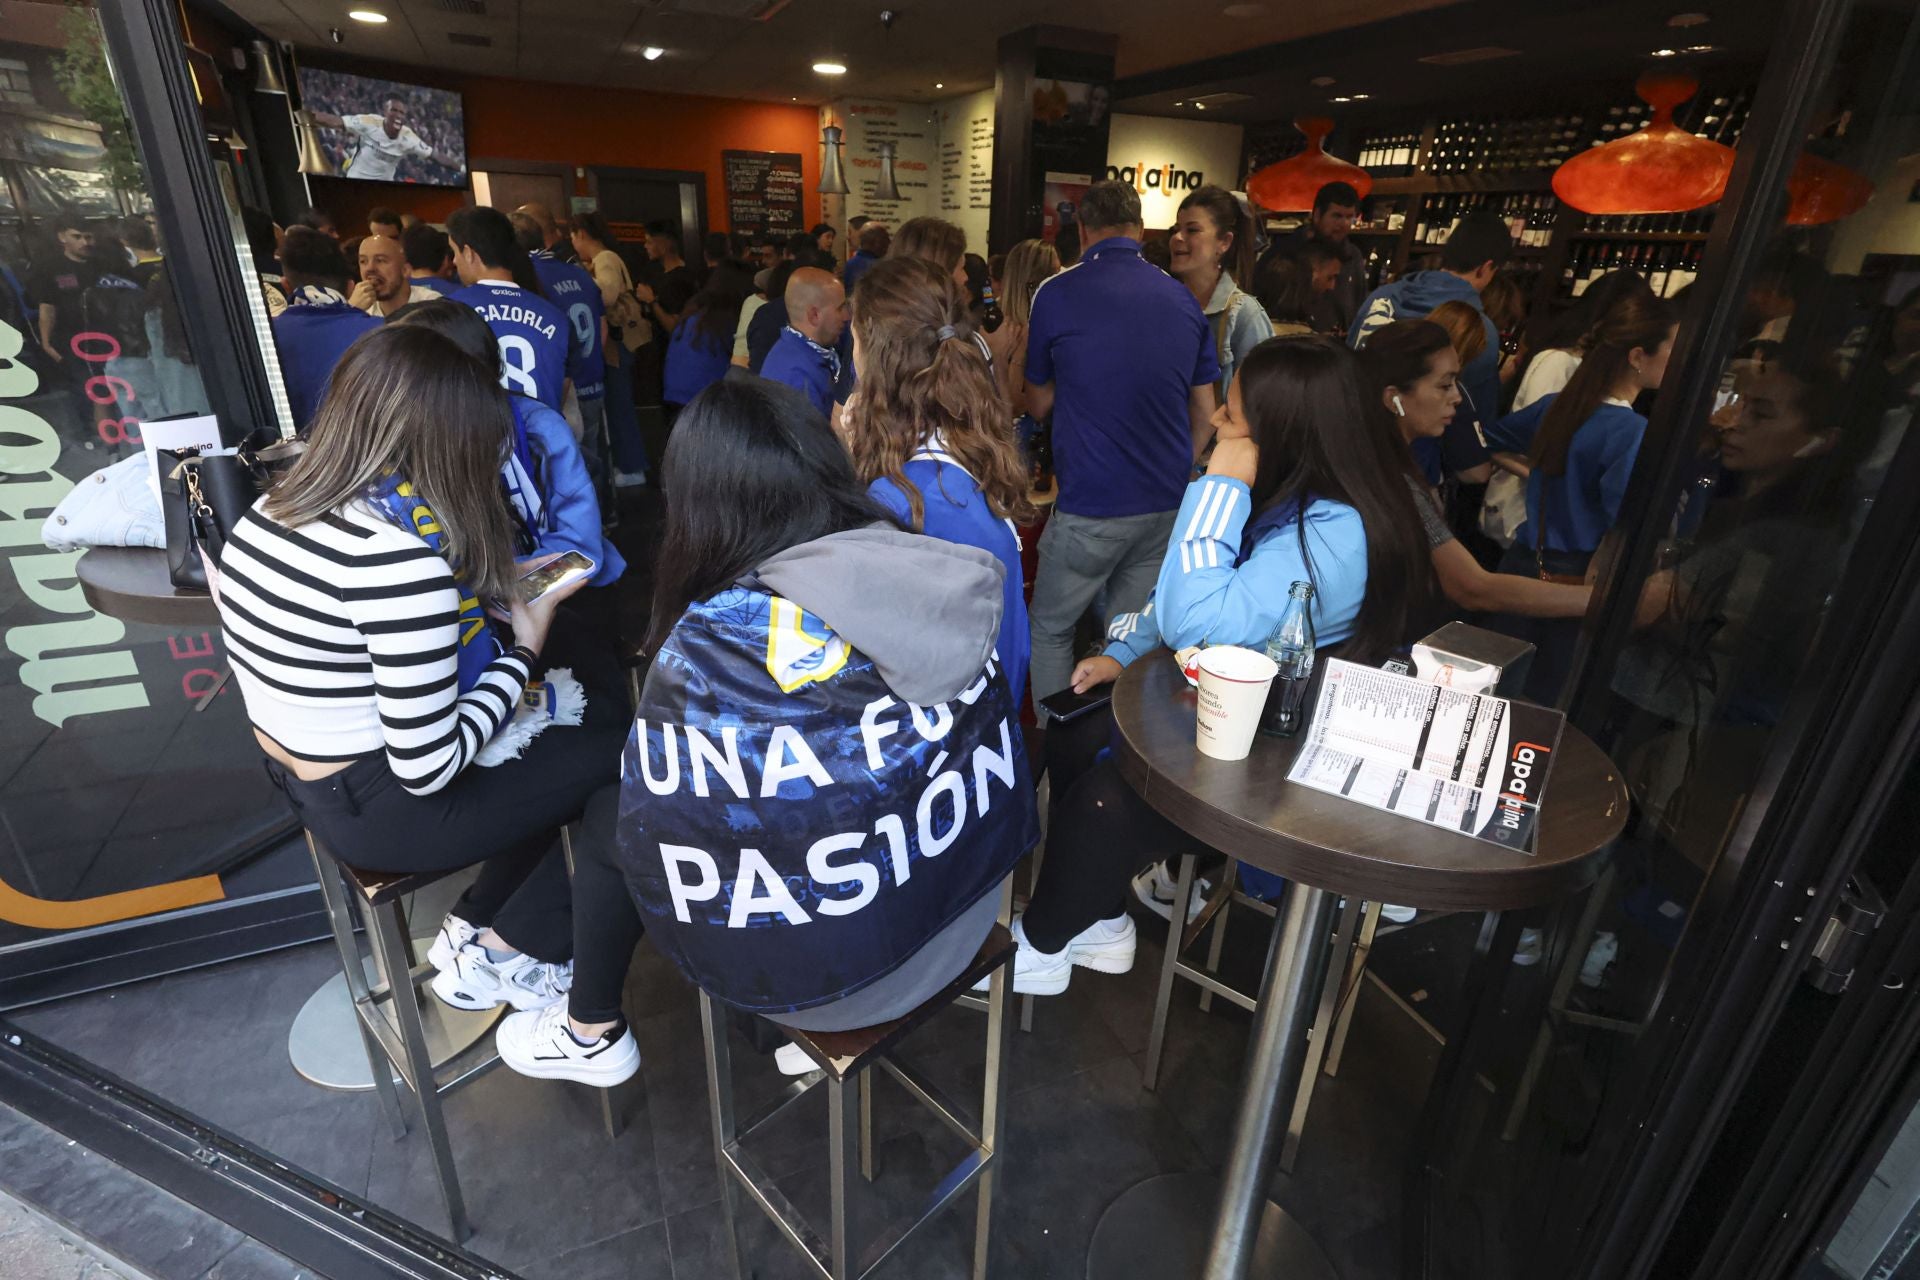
[(850, 454)]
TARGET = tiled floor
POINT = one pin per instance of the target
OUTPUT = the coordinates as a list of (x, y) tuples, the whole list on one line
[(551, 1196)]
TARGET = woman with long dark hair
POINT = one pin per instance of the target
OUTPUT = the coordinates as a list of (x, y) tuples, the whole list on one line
[(1212, 247), (823, 718), (1581, 444), (1304, 485), (938, 241), (928, 430), (1565, 341), (355, 600)]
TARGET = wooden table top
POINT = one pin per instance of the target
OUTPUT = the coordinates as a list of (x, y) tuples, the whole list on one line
[(132, 584), (1248, 809)]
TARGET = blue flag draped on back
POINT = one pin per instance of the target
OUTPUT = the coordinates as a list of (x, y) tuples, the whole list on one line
[(791, 831)]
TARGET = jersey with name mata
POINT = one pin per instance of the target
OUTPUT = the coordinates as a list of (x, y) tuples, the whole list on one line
[(533, 337), (575, 293)]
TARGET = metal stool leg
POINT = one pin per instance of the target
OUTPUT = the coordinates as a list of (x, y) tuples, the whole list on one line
[(333, 892), (1331, 986), (1163, 999), (610, 1119), (1350, 993), (1215, 949), (866, 1125), (1033, 885), (713, 1026), (998, 1043), (386, 924), (842, 1132)]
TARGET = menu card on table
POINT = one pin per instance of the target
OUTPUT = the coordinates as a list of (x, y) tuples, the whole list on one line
[(1472, 762)]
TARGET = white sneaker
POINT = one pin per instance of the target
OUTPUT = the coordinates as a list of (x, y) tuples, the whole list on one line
[(454, 934), (1105, 946), (475, 982), (793, 1060), (539, 1043), (629, 479), (1156, 886), (1035, 972), (1399, 915), (1527, 954)]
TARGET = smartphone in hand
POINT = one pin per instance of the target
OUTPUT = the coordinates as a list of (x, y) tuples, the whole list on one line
[(568, 567)]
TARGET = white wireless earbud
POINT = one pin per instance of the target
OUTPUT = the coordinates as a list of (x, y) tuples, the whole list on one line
[(1399, 408)]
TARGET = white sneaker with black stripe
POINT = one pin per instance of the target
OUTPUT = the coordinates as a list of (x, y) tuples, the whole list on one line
[(1156, 886), (542, 1045), (474, 981), (454, 934)]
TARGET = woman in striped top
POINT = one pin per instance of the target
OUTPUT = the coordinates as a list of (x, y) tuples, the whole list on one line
[(351, 598)]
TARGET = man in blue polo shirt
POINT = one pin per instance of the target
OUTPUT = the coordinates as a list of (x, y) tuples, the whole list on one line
[(532, 332), (572, 290), (1121, 355), (803, 357), (319, 323)]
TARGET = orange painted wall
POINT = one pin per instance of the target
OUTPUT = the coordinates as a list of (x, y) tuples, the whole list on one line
[(582, 125)]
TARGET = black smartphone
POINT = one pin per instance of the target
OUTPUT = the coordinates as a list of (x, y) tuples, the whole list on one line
[(1068, 705)]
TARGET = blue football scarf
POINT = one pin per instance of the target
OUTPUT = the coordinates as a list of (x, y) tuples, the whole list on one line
[(520, 479), (395, 499), (828, 356)]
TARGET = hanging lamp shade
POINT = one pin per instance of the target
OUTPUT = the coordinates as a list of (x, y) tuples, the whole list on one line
[(833, 178), (1289, 186), (886, 187), (1660, 169), (1820, 190)]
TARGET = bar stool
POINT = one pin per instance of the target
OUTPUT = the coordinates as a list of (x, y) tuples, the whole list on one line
[(846, 1060), (1351, 942), (388, 1011)]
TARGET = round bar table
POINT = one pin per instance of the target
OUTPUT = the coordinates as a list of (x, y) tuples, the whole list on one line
[(1327, 847), (134, 585)]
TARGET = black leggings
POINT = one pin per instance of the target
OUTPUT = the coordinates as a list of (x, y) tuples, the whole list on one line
[(1100, 833), (507, 819)]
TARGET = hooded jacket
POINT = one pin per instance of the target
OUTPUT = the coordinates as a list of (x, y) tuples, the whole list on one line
[(826, 769), (1419, 293)]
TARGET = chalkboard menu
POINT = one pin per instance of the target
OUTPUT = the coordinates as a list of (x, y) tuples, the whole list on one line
[(763, 191)]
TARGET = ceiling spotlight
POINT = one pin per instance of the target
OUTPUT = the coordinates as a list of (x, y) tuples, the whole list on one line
[(1688, 20), (1342, 98), (938, 85), (1700, 48), (373, 16), (1199, 106), (1360, 97), (829, 68), (651, 52), (1664, 53)]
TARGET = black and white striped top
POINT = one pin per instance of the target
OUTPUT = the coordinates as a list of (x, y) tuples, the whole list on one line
[(344, 635)]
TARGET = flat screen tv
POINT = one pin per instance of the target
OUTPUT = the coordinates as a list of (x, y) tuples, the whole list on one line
[(383, 130)]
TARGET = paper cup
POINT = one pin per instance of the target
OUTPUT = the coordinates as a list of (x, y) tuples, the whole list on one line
[(1233, 693)]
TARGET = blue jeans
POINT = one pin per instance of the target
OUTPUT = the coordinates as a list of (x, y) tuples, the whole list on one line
[(623, 424)]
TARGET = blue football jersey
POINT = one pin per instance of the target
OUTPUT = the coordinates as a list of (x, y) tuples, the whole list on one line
[(576, 294), (533, 336)]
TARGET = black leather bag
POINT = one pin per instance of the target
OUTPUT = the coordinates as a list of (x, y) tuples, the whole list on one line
[(202, 497)]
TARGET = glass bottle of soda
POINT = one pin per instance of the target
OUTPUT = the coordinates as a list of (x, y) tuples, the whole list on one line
[(1291, 648)]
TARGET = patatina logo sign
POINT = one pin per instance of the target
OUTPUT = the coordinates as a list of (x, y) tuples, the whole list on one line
[(1168, 177)]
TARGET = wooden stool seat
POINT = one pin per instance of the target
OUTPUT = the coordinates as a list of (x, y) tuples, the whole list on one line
[(382, 887), (845, 1053)]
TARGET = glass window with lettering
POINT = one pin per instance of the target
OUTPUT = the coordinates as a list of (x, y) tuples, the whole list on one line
[(128, 781)]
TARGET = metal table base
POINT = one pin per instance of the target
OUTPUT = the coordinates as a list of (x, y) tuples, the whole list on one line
[(325, 1044), (1161, 1227), (1220, 1233)]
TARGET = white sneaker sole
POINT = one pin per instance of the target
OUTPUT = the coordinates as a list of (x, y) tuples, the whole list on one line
[(622, 1067), (1107, 958), (448, 988)]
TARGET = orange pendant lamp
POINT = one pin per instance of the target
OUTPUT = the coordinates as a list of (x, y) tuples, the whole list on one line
[(1289, 186), (1660, 169), (1820, 191)]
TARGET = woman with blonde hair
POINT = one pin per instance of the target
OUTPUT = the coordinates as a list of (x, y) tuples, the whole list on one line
[(1029, 263), (935, 240), (928, 429)]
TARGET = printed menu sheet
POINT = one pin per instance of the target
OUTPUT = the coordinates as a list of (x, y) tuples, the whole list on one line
[(1474, 763)]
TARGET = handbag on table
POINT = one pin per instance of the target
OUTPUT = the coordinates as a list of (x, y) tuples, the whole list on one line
[(204, 494)]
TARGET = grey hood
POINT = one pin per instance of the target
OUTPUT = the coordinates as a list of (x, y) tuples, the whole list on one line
[(926, 611)]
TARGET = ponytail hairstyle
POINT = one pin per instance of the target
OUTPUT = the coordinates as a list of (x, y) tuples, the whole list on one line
[(1396, 356), (925, 380), (1302, 400), (1637, 321), (1230, 218)]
